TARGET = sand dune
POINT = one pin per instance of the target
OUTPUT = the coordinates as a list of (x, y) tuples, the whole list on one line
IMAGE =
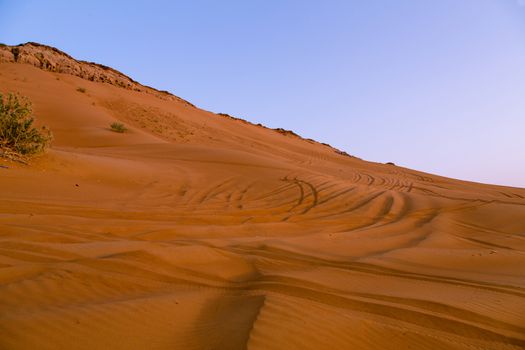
[(201, 231)]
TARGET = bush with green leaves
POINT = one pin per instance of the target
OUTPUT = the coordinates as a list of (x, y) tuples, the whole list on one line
[(118, 127), (18, 136)]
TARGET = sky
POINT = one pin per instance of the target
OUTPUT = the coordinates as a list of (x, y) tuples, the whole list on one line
[(433, 85)]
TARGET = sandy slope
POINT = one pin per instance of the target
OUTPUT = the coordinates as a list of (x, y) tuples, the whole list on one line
[(197, 231)]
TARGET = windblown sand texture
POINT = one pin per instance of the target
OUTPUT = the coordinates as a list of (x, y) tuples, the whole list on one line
[(199, 231)]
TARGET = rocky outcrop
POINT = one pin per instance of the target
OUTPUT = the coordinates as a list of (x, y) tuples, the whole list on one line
[(51, 59)]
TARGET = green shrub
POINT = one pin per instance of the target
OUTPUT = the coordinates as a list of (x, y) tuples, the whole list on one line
[(18, 136), (81, 89), (118, 127)]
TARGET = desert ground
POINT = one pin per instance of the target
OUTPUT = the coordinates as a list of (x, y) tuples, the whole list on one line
[(195, 230)]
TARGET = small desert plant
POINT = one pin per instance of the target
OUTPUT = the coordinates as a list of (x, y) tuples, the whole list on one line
[(118, 127), (81, 89), (18, 136)]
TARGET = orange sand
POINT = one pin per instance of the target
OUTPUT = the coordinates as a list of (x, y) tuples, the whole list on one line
[(199, 231)]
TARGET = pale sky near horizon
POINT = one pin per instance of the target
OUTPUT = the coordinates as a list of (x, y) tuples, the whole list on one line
[(433, 85)]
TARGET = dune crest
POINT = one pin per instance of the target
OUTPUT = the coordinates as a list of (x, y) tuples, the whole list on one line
[(54, 60), (195, 231)]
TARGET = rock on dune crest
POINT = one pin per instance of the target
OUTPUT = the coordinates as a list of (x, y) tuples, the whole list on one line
[(195, 230), (52, 59)]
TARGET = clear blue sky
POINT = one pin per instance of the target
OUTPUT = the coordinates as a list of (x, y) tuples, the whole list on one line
[(435, 85)]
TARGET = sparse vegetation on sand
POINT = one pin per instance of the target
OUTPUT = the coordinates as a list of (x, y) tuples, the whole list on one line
[(81, 89), (19, 139), (118, 127)]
